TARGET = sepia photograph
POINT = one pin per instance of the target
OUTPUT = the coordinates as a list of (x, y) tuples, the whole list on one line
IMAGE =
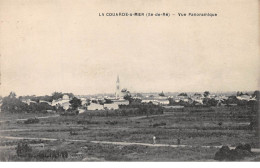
[(129, 81)]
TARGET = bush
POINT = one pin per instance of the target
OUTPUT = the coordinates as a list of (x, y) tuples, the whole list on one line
[(31, 121), (140, 109), (111, 122), (54, 154), (23, 150), (159, 124), (70, 113), (223, 153), (246, 147), (134, 109), (73, 133), (239, 153), (87, 122), (13, 104), (210, 102), (253, 125)]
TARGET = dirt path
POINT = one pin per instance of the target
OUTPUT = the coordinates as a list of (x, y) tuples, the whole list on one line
[(162, 145), (118, 143), (60, 129), (152, 145), (16, 130), (159, 115), (44, 139), (141, 117), (28, 118), (14, 146)]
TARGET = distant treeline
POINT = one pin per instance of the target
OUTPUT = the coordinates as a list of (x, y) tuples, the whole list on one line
[(213, 102), (133, 109), (143, 108), (54, 96), (13, 104)]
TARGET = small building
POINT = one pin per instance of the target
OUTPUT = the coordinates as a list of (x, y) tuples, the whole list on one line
[(121, 102), (147, 101), (28, 101), (111, 106), (81, 110), (95, 106), (43, 101), (63, 103), (163, 101), (244, 97), (65, 97)]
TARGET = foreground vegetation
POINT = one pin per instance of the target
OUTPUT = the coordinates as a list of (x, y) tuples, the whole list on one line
[(204, 126)]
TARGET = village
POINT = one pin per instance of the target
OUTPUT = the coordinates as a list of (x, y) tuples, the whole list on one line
[(64, 126), (129, 81), (124, 97)]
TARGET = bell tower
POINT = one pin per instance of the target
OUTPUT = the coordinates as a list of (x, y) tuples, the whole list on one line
[(117, 87)]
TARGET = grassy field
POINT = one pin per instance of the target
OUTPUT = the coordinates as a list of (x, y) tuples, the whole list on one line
[(194, 126)]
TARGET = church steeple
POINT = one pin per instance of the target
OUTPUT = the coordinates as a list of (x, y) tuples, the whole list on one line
[(117, 81), (117, 87)]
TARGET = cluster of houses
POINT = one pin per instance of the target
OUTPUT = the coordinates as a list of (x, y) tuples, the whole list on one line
[(63, 102), (198, 98), (113, 102)]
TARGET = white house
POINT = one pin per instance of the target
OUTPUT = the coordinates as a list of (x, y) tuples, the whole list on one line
[(94, 106), (64, 102), (111, 106)]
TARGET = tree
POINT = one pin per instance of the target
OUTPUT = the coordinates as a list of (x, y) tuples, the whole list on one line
[(129, 98), (183, 94), (75, 103), (197, 94), (101, 102), (108, 101), (124, 90), (71, 95), (59, 108), (43, 106), (256, 94), (210, 102), (13, 104), (206, 93), (239, 93), (57, 95), (46, 98), (161, 94), (12, 95)]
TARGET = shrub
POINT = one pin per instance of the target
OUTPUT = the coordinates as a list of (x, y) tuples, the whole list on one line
[(223, 153), (13, 104), (253, 125), (159, 124), (239, 153), (31, 121), (23, 149), (54, 154), (111, 122), (244, 147), (70, 113), (73, 133)]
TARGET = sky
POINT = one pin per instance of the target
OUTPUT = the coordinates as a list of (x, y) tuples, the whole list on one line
[(64, 45)]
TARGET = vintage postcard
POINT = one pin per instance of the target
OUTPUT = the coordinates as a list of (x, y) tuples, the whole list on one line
[(133, 81)]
